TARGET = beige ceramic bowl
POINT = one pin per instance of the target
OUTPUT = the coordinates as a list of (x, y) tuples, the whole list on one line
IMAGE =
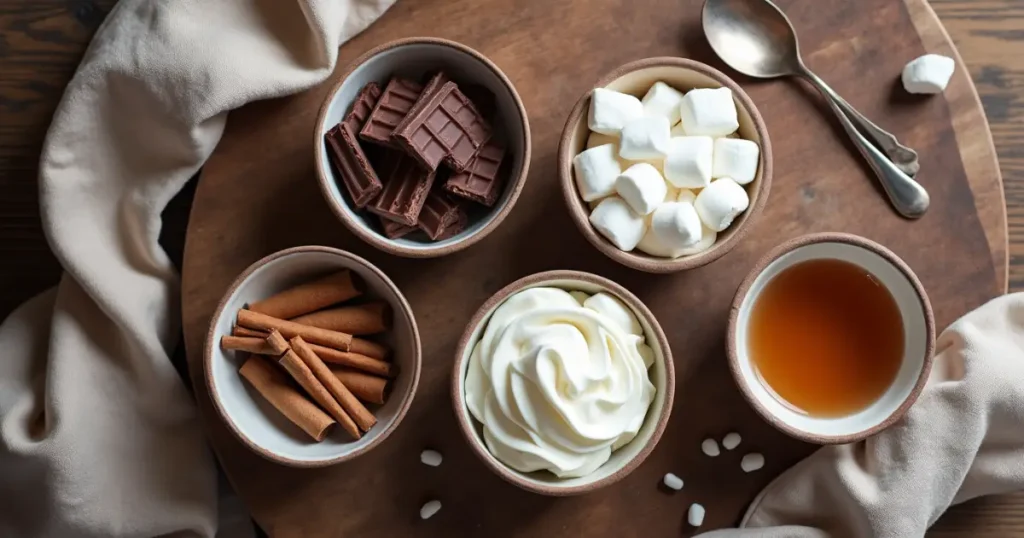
[(415, 57), (636, 78), (918, 328), (248, 415), (624, 460)]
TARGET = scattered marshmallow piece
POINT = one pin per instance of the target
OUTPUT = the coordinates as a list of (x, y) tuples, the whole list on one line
[(689, 162), (677, 130), (618, 223), (662, 100), (598, 139), (736, 158), (720, 203), (710, 448), (708, 112), (928, 74), (752, 462), (673, 481), (642, 187), (579, 296), (610, 111), (644, 139), (615, 310), (731, 440), (695, 516), (686, 195), (676, 225), (596, 170), (429, 509), (431, 457)]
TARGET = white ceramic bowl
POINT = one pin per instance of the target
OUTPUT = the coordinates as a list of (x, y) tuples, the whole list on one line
[(918, 328), (249, 416)]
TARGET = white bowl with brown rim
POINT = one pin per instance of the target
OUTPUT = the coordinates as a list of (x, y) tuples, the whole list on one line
[(623, 460), (256, 423), (915, 313), (414, 58), (635, 78)]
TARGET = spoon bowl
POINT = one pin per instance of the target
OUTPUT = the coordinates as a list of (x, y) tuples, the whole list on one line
[(754, 38)]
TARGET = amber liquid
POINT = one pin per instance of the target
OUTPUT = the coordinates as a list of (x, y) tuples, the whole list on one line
[(826, 337)]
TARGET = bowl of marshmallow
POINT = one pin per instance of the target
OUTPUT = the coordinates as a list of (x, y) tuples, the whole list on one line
[(664, 163)]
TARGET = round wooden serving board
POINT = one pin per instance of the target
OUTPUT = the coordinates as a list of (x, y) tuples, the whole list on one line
[(258, 194)]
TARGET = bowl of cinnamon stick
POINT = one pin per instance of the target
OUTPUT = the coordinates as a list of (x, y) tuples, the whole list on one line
[(312, 357)]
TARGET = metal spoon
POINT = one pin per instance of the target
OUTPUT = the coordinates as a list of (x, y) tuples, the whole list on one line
[(755, 38)]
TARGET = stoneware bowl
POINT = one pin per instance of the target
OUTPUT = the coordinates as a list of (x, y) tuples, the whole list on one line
[(636, 78), (918, 327), (415, 58), (624, 460), (249, 416)]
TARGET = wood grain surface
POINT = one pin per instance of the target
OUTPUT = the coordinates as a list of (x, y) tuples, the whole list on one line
[(41, 41)]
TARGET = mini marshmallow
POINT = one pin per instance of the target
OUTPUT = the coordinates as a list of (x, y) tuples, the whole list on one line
[(596, 171), (928, 74), (710, 448), (686, 195), (720, 202), (598, 139), (429, 509), (662, 100), (431, 457), (752, 462), (731, 440), (695, 516), (610, 111), (642, 187), (618, 223), (689, 162), (676, 225), (736, 158), (644, 139), (673, 482), (652, 246), (677, 130), (616, 311), (708, 112)]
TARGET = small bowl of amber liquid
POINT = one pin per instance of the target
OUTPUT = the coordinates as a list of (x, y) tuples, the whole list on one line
[(831, 338)]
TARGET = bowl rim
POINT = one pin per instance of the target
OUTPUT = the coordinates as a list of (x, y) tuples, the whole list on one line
[(642, 261), (414, 371), (461, 355), (361, 230), (813, 239)]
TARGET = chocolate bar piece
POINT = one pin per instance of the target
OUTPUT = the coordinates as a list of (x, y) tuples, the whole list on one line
[(448, 126), (394, 230), (436, 82), (366, 99), (406, 185), (480, 181), (394, 103), (439, 211), (348, 157), (455, 228)]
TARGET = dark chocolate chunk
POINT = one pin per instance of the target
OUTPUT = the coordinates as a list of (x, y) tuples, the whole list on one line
[(435, 83), (365, 100), (395, 101), (480, 181), (406, 185), (448, 127), (455, 228), (394, 230), (360, 179), (439, 211)]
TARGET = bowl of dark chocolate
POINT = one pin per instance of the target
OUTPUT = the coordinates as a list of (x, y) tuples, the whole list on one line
[(422, 147)]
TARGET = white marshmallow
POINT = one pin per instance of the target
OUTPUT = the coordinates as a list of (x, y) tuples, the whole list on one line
[(708, 112), (677, 130), (430, 457), (616, 311), (642, 187), (610, 111), (720, 202), (644, 139), (689, 162), (429, 509), (710, 448), (596, 171), (686, 195), (731, 440), (676, 225), (673, 481), (662, 100), (652, 246), (752, 462), (695, 516), (618, 223), (928, 74), (598, 139), (736, 158)]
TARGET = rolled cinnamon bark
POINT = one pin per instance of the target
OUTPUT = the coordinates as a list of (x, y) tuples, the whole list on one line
[(354, 360), (368, 348), (258, 346), (310, 297), (369, 318), (273, 385), (242, 331), (290, 329), (368, 388), (299, 371), (276, 343), (359, 413)]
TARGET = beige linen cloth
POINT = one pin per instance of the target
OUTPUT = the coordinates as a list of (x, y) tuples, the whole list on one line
[(98, 436)]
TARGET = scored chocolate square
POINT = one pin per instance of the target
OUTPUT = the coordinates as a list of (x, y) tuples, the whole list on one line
[(480, 181), (394, 103), (357, 174), (439, 211), (435, 83), (365, 100), (406, 185), (448, 127)]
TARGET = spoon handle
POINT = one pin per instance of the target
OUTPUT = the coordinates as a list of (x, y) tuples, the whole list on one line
[(903, 157)]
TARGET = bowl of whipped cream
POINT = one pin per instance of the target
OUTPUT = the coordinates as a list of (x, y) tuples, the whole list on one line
[(563, 382)]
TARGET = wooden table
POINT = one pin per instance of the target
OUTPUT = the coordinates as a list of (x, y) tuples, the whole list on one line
[(41, 41)]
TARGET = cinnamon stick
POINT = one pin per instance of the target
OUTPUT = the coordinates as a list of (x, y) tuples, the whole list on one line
[(311, 296), (242, 331), (299, 371), (369, 318), (290, 329), (354, 360), (258, 346), (273, 385), (368, 388), (368, 348), (276, 343), (359, 413)]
